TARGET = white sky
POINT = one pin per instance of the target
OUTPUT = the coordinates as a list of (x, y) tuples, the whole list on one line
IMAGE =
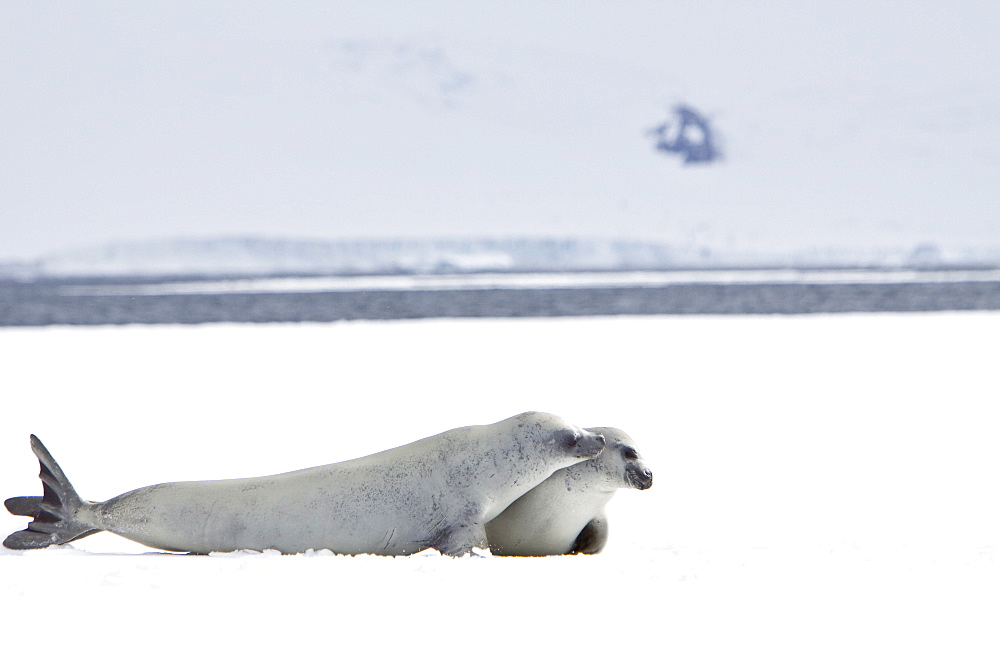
[(854, 123)]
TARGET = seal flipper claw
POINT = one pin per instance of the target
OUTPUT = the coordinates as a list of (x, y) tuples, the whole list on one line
[(54, 513)]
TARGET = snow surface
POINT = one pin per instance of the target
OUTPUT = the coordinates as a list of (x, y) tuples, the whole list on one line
[(825, 490), (276, 256), (530, 281)]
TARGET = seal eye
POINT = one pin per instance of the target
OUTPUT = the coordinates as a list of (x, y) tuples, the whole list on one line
[(630, 453)]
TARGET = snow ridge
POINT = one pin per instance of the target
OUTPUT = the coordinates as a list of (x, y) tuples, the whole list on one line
[(254, 256)]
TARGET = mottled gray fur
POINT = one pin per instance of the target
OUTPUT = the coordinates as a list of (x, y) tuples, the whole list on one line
[(437, 492)]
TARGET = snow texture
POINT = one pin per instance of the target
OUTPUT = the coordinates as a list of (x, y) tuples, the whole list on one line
[(825, 490), (275, 256)]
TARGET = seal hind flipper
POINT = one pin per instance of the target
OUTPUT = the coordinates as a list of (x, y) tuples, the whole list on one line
[(28, 506), (54, 514)]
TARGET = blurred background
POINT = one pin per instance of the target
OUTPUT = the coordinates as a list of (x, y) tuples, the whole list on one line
[(848, 124), (332, 138)]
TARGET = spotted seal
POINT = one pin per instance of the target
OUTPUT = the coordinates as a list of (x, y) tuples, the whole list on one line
[(565, 514), (438, 492)]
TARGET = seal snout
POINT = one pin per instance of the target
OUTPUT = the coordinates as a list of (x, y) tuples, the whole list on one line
[(639, 478)]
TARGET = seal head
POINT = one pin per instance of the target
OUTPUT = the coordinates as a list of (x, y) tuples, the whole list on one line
[(618, 466), (565, 513)]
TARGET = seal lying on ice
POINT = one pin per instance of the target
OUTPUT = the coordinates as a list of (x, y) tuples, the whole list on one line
[(565, 514), (436, 492)]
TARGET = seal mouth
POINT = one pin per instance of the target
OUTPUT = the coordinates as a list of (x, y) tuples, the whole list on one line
[(639, 479)]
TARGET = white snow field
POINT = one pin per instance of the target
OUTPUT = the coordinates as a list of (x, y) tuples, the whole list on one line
[(825, 491)]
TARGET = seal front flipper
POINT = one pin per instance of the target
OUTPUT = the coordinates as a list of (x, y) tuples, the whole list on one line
[(593, 538), (54, 513), (462, 540)]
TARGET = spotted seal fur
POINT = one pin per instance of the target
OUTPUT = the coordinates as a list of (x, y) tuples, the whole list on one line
[(438, 492)]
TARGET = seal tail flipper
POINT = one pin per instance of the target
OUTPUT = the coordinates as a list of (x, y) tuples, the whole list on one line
[(28, 506), (54, 514)]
